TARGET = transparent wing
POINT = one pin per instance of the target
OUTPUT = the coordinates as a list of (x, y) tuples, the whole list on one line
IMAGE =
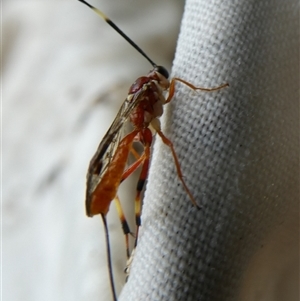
[(109, 145)]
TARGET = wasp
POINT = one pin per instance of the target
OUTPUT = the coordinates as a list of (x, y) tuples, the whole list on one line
[(108, 168)]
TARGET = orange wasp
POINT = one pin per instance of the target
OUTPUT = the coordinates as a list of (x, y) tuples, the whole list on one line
[(142, 107)]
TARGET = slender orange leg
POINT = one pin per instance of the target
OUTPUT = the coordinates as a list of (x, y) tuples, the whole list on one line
[(156, 125), (126, 230), (172, 87), (132, 168), (135, 153), (124, 223), (147, 141), (144, 161)]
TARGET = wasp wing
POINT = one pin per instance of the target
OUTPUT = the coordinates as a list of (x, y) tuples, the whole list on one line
[(108, 145)]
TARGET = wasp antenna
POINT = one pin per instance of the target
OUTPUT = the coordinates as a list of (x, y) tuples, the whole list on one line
[(116, 28)]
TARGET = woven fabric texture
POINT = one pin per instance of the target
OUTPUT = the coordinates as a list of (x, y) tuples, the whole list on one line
[(238, 149)]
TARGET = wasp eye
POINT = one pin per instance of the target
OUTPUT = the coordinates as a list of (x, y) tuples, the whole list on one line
[(162, 70)]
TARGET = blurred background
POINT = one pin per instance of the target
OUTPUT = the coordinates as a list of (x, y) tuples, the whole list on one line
[(65, 74)]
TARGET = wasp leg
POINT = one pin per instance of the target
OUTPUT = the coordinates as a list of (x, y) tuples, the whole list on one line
[(177, 79), (156, 126)]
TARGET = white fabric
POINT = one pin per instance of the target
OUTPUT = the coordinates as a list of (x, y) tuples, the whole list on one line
[(238, 150)]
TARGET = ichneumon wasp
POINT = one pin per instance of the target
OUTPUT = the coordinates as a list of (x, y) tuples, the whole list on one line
[(108, 167)]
